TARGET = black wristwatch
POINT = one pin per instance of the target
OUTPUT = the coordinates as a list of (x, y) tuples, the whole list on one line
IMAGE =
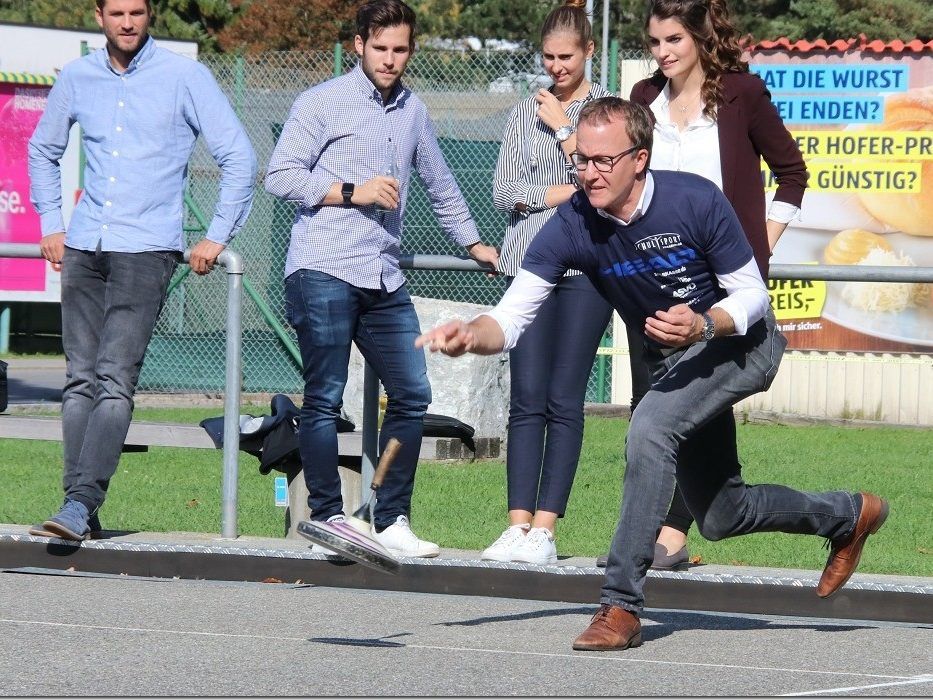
[(347, 191), (709, 328)]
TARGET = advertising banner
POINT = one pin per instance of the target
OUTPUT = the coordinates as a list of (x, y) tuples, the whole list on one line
[(865, 129), (21, 105)]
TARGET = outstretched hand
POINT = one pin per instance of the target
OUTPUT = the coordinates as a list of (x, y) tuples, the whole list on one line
[(454, 339)]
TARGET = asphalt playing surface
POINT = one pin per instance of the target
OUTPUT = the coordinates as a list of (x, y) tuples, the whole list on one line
[(92, 634), (102, 634)]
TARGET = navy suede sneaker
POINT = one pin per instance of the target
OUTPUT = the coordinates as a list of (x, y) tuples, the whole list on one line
[(70, 523), (95, 530)]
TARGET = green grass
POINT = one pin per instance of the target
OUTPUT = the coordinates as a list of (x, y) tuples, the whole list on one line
[(462, 505)]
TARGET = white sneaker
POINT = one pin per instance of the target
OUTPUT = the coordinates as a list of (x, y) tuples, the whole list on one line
[(402, 542), (321, 549), (502, 548), (536, 548)]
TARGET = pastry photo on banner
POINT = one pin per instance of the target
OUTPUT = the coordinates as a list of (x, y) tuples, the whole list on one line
[(865, 127)]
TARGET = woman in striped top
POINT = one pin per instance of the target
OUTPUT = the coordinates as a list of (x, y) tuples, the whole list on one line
[(551, 364)]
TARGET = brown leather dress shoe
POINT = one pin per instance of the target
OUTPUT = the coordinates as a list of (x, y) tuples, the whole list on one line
[(845, 552), (611, 628)]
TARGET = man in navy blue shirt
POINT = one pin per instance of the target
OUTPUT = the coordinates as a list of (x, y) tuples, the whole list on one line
[(141, 108), (667, 251)]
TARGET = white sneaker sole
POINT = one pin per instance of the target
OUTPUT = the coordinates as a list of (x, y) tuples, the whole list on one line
[(401, 554), (550, 561), (504, 558)]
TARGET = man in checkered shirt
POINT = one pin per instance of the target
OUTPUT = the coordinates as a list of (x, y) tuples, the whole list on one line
[(345, 156)]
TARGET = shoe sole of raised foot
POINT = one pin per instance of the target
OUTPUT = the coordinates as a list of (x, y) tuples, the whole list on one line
[(62, 533), (882, 516), (632, 643)]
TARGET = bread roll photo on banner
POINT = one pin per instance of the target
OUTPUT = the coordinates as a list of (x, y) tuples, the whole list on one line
[(910, 212)]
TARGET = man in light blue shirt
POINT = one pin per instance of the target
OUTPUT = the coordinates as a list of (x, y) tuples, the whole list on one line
[(345, 157), (141, 109)]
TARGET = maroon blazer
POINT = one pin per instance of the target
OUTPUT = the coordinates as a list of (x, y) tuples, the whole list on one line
[(749, 128)]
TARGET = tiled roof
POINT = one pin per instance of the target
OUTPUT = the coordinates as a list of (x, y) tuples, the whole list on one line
[(861, 43)]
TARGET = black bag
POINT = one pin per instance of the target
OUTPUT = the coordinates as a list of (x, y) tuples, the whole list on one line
[(444, 426), (272, 439), (4, 396)]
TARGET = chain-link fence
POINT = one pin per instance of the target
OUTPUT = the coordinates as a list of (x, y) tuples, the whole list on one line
[(468, 95)]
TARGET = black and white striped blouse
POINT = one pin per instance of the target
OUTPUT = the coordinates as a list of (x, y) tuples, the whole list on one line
[(530, 160)]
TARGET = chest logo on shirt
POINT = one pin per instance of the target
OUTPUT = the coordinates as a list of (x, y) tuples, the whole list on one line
[(662, 262), (659, 241)]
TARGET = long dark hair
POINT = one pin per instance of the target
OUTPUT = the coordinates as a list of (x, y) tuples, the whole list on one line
[(716, 39)]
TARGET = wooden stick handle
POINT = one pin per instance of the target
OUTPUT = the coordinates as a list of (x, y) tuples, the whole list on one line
[(385, 461)]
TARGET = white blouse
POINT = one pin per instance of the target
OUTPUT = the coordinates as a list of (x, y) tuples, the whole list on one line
[(696, 150)]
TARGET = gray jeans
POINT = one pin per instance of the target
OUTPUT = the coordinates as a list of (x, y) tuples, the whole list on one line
[(110, 303), (684, 428)]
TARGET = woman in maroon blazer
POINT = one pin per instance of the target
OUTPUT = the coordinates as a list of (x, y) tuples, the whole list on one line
[(715, 119)]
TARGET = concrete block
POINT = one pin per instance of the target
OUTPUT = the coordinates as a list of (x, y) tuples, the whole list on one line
[(473, 388)]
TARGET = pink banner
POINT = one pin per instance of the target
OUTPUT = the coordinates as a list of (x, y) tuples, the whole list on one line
[(20, 109)]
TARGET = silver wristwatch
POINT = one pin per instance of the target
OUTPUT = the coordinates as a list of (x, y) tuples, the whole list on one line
[(564, 133), (709, 328)]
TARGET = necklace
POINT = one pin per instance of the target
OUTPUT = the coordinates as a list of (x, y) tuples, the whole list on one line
[(684, 107)]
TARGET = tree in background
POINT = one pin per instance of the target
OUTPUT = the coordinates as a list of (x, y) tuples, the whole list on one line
[(49, 13), (197, 20), (282, 25), (844, 19), (260, 25), (516, 20), (439, 18)]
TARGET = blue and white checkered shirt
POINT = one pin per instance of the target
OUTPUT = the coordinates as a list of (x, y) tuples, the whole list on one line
[(339, 131), (139, 129)]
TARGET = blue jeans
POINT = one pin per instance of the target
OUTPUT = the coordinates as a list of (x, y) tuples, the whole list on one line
[(329, 314), (549, 370), (110, 304), (684, 428)]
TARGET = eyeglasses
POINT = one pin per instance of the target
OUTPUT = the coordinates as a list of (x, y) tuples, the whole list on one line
[(603, 164)]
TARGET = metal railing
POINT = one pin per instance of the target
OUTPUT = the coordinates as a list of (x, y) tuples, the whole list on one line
[(233, 264), (850, 273)]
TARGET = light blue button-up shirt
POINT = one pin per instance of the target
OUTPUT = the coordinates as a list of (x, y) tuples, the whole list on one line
[(339, 131), (139, 129)]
